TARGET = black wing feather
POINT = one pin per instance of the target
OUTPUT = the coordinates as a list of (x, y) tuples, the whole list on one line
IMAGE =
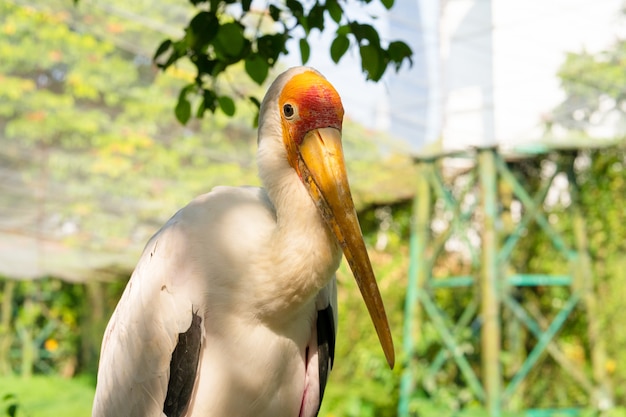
[(325, 345), (183, 369)]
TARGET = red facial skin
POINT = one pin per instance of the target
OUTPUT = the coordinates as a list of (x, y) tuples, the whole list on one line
[(316, 104)]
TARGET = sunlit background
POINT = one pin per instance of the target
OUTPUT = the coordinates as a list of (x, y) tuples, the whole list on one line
[(93, 161)]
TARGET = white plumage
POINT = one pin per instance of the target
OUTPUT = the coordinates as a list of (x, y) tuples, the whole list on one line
[(240, 280)]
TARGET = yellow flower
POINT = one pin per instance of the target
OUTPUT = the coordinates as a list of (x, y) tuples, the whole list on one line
[(610, 366), (51, 345)]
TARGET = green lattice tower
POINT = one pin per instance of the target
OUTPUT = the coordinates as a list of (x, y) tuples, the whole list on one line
[(474, 204)]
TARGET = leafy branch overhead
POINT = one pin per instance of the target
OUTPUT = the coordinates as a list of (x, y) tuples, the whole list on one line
[(226, 32)]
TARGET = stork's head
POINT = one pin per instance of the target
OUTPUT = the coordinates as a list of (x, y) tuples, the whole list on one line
[(301, 120)]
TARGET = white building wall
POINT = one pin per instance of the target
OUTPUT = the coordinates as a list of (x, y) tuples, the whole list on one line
[(526, 42)]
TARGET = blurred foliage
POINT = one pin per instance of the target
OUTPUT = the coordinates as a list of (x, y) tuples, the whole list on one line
[(52, 323), (594, 88), (81, 117), (603, 191), (47, 396), (10, 404)]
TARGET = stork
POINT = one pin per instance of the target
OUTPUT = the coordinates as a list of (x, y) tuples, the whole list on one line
[(231, 310)]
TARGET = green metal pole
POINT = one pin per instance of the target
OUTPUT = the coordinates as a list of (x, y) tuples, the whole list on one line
[(530, 204), (584, 282), (463, 323), (541, 345), (490, 308), (420, 226), (436, 316)]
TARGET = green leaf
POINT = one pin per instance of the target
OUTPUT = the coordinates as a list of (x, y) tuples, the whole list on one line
[(183, 106), (399, 51), (271, 46), (339, 47), (364, 31), (255, 101), (245, 5), (305, 50), (230, 40), (204, 64), (165, 45), (257, 68), (169, 52), (178, 49), (315, 19), (387, 3), (227, 105), (334, 10), (372, 62), (201, 110), (209, 100), (296, 8), (343, 30), (274, 13), (202, 29)]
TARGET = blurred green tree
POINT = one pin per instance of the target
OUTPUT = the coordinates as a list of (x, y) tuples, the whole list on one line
[(80, 116), (594, 88)]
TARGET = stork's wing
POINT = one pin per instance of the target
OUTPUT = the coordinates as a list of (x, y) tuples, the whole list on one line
[(155, 312), (150, 350), (320, 350), (325, 345), (183, 369)]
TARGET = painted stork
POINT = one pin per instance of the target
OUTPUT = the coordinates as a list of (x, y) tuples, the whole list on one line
[(231, 310)]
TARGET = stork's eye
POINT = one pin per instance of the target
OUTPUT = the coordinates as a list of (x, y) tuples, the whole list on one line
[(288, 111)]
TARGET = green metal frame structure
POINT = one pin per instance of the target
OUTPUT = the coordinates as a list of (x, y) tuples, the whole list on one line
[(478, 199)]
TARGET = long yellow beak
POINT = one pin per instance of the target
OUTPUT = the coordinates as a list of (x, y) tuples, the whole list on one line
[(322, 168)]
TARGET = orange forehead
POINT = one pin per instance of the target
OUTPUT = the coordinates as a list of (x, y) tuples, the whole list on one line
[(314, 96)]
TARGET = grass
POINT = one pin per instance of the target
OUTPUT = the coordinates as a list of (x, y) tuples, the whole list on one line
[(47, 396), (53, 396)]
